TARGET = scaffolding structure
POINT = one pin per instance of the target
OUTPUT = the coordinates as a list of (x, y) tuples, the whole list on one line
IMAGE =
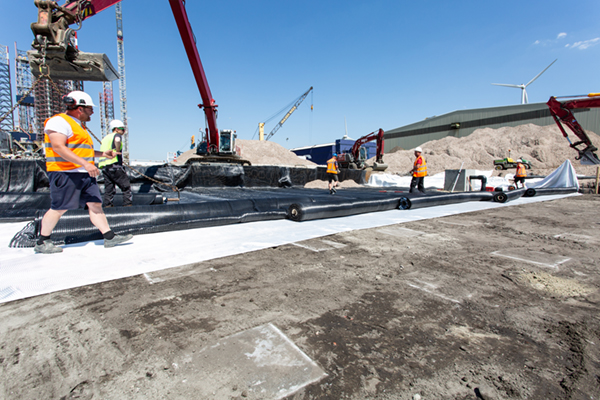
[(6, 105), (24, 80), (122, 86), (107, 107)]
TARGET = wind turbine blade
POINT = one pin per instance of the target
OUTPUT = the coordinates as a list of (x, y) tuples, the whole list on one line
[(524, 99), (538, 75), (507, 85)]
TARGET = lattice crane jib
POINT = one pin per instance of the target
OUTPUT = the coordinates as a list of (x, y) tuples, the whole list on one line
[(7, 122), (122, 85)]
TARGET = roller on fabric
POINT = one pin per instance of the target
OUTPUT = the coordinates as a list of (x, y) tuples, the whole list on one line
[(503, 197), (308, 211), (530, 192)]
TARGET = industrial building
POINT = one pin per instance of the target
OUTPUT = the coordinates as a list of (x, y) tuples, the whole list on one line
[(462, 123)]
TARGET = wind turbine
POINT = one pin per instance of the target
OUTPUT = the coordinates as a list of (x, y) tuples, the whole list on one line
[(524, 99)]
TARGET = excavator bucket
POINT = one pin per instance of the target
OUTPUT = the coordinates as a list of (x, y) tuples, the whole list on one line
[(79, 66), (379, 166), (588, 157)]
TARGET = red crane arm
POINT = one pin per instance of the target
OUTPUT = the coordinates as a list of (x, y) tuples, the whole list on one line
[(377, 135)]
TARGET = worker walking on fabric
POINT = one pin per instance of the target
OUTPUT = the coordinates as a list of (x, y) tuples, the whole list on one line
[(419, 172), (520, 174), (112, 168), (332, 173), (72, 173)]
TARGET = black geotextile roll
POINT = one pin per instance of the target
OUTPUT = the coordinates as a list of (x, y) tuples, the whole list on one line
[(22, 175), (24, 206), (503, 197), (75, 226), (318, 210), (415, 202), (530, 192)]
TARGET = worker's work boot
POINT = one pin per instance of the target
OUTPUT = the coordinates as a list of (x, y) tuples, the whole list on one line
[(116, 240), (47, 248)]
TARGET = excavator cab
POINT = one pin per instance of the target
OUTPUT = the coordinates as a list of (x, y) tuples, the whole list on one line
[(55, 47)]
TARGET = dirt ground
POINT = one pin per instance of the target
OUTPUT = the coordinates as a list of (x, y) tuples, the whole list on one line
[(496, 304)]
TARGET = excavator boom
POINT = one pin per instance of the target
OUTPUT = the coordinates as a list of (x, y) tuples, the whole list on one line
[(562, 114)]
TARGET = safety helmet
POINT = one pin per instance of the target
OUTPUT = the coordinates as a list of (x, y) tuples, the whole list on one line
[(335, 154), (114, 124), (519, 160), (78, 98), (420, 150)]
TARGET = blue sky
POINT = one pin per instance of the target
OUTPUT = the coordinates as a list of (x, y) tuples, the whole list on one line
[(374, 64)]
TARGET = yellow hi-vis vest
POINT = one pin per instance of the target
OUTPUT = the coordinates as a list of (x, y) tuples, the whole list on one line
[(521, 171), (80, 143), (420, 170), (107, 144), (331, 166)]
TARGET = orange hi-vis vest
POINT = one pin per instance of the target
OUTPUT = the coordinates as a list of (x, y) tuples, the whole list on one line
[(521, 171), (331, 166), (80, 143), (420, 170)]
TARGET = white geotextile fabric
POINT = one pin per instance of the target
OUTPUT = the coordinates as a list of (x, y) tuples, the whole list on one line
[(24, 274), (433, 182), (564, 176)]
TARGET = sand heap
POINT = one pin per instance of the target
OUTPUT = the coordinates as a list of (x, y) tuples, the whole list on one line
[(544, 146), (260, 153)]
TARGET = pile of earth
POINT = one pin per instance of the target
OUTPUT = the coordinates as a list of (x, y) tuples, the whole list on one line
[(544, 146)]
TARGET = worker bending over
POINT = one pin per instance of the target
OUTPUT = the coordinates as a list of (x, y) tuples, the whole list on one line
[(419, 172), (332, 173), (520, 174)]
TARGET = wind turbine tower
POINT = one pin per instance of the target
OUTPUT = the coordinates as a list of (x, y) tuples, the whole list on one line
[(524, 99)]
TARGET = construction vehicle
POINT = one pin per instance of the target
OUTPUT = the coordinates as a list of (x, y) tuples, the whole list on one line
[(506, 163), (56, 56), (562, 114), (297, 102), (356, 158)]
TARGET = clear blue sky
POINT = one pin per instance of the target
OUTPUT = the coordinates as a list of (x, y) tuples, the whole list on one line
[(377, 64)]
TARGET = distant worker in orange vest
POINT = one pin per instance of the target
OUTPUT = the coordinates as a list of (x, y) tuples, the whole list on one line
[(72, 173), (332, 173), (520, 174), (419, 172)]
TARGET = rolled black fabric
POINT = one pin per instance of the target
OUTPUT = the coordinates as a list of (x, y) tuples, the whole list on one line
[(412, 203), (530, 192), (503, 197), (309, 211)]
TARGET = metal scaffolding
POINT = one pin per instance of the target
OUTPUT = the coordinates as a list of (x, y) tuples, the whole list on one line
[(6, 105), (107, 107), (122, 86), (24, 80)]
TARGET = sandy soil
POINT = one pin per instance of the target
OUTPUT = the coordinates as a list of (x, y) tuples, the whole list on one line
[(497, 304)]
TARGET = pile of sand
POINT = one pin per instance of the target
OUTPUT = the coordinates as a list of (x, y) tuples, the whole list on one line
[(544, 146), (260, 153)]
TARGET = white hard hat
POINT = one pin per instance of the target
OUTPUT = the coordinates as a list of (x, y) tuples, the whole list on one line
[(78, 98), (114, 124), (420, 150), (519, 160)]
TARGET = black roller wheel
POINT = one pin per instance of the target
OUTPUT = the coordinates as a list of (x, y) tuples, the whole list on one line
[(295, 212)]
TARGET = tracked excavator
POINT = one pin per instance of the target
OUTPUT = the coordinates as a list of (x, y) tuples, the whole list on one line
[(563, 115), (55, 55), (356, 158)]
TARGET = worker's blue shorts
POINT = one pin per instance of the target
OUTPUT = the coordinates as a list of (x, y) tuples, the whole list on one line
[(72, 190)]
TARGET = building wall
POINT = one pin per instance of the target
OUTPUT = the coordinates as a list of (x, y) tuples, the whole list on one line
[(463, 123)]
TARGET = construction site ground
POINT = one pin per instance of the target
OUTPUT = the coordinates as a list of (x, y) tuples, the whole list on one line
[(495, 304)]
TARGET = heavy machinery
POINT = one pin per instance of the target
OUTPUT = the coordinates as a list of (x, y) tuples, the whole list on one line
[(56, 55), (506, 163), (562, 114), (297, 102), (356, 158)]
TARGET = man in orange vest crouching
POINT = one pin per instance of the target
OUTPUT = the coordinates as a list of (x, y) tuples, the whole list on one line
[(332, 173), (72, 173), (419, 172)]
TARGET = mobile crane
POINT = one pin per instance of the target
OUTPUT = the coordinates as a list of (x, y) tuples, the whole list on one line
[(355, 159), (562, 114), (55, 55), (297, 102)]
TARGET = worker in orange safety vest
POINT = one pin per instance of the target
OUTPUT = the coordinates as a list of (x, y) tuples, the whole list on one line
[(520, 174), (332, 173), (419, 172)]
